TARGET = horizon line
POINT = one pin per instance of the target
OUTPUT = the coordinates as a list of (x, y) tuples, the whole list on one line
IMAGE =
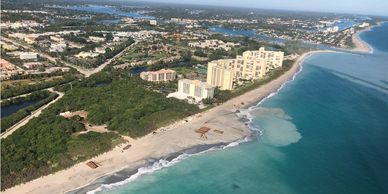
[(263, 8)]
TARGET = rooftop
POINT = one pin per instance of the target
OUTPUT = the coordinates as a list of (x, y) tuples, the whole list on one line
[(160, 71), (196, 82)]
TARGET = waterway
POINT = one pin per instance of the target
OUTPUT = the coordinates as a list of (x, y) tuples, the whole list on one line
[(8, 110)]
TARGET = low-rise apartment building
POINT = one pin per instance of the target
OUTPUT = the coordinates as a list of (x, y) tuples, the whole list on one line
[(213, 44), (158, 76), (84, 54), (33, 65), (28, 56)]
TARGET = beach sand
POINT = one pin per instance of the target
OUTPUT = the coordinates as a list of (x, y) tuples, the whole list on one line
[(171, 139), (360, 45)]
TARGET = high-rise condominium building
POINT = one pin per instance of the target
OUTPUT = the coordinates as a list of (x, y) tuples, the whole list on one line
[(195, 88), (225, 73)]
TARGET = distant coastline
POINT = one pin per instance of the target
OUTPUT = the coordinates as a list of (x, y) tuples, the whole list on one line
[(361, 45)]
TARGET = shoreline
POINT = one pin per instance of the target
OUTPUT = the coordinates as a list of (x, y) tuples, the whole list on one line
[(361, 45), (95, 186), (152, 165), (169, 140)]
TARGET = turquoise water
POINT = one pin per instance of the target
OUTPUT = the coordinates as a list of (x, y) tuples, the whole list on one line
[(325, 132)]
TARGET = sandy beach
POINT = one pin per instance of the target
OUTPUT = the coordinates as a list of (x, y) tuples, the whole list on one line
[(360, 45), (171, 139)]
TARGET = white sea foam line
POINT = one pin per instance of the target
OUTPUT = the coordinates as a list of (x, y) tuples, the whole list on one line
[(161, 164), (371, 49), (247, 112), (285, 83)]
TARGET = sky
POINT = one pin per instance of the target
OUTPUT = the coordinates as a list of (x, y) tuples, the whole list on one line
[(373, 7)]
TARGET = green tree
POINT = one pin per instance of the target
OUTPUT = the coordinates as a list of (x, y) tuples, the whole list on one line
[(109, 36)]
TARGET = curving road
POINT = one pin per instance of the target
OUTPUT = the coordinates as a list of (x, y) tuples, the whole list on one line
[(85, 72), (34, 114)]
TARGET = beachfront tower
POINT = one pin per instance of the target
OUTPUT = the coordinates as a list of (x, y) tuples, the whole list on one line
[(251, 65)]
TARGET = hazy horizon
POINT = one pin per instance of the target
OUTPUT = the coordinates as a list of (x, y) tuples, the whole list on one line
[(367, 7)]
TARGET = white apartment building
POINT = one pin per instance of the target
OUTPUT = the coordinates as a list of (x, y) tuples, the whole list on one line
[(214, 44), (158, 76), (153, 22), (195, 89), (28, 55), (84, 54), (251, 65)]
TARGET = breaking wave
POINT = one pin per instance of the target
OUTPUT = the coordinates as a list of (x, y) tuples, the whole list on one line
[(164, 163)]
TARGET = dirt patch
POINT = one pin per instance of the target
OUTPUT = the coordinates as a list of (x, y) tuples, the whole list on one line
[(83, 119)]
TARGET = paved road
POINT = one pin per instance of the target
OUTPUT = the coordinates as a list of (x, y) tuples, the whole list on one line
[(26, 94), (34, 114), (107, 62), (21, 95), (86, 72)]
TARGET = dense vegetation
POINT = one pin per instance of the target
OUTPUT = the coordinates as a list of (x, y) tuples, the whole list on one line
[(36, 76), (10, 91), (12, 119), (49, 142), (126, 106), (33, 96), (93, 62)]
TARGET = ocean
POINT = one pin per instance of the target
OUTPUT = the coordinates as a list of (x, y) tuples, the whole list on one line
[(325, 132)]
